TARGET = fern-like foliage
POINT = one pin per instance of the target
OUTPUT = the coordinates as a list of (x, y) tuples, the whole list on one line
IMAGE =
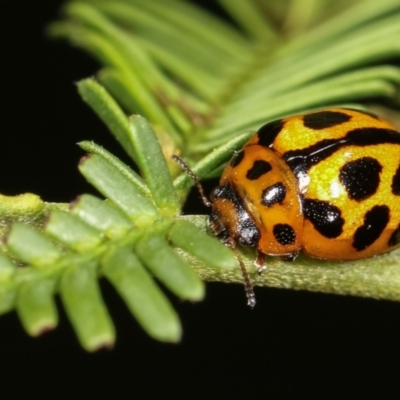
[(204, 85)]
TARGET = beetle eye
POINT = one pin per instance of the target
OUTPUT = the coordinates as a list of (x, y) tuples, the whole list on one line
[(217, 193), (249, 236)]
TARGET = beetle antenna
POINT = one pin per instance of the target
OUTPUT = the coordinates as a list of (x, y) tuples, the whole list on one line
[(248, 287), (187, 169)]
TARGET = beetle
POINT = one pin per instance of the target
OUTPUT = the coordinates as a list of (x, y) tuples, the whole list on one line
[(326, 183)]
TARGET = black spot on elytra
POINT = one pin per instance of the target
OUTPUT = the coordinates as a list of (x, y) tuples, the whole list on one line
[(375, 221), (268, 132), (325, 119), (361, 177), (259, 168), (396, 182), (284, 234), (395, 237), (300, 161), (273, 194), (237, 158), (326, 218)]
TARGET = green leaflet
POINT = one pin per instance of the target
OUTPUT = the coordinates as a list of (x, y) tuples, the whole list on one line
[(82, 300), (145, 300), (36, 306)]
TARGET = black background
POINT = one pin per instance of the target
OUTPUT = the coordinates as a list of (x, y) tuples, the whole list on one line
[(292, 345)]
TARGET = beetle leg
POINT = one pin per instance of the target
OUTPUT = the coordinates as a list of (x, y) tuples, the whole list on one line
[(259, 263)]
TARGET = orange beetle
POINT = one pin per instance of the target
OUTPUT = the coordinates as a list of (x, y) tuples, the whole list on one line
[(326, 183)]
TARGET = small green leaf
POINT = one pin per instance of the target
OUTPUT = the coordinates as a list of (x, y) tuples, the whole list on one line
[(144, 299), (72, 231), (155, 252), (108, 110), (36, 307), (152, 162), (204, 247), (109, 181), (213, 160), (7, 269), (7, 299), (97, 213), (247, 14), (31, 246), (82, 300), (7, 291), (131, 175), (126, 91)]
